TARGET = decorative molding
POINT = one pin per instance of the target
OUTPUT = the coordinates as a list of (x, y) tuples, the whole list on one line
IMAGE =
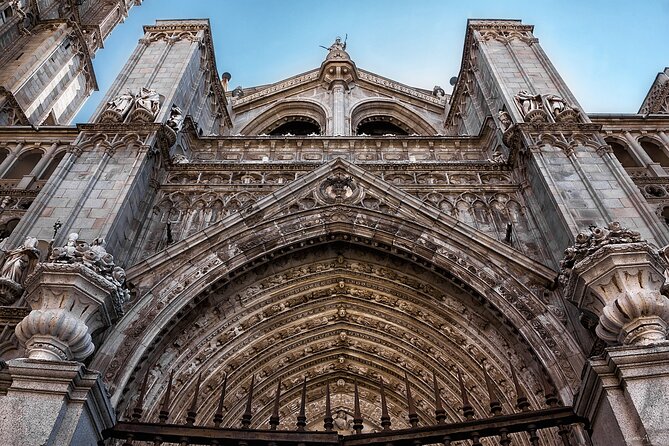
[(613, 274)]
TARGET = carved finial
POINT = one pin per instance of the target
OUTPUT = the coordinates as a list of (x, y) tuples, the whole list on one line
[(218, 416), (274, 418), (246, 417), (302, 417), (164, 413)]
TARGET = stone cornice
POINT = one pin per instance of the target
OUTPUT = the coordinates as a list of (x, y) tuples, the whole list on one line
[(307, 78)]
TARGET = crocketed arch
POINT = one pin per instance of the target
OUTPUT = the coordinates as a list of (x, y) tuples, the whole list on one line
[(336, 293), (391, 111), (284, 112)]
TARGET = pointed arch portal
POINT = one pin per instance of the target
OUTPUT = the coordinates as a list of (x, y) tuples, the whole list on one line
[(338, 278)]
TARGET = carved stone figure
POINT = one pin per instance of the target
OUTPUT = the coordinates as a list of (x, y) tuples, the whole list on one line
[(17, 264), (528, 102), (555, 104), (505, 120), (121, 103), (176, 118), (180, 159), (438, 91), (338, 45), (148, 100), (342, 423)]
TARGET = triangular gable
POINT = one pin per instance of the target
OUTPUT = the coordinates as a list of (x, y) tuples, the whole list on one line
[(340, 187)]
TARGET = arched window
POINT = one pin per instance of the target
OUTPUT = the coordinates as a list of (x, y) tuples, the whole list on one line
[(622, 154), (7, 228), (665, 214), (294, 125), (654, 151), (52, 165), (3, 154), (379, 126), (24, 165)]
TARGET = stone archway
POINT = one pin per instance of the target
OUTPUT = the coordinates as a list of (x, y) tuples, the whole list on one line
[(338, 215)]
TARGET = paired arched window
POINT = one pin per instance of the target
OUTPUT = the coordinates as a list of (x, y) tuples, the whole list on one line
[(622, 153), (24, 164), (655, 151)]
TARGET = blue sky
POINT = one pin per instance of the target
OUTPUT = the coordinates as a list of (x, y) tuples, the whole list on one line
[(608, 52)]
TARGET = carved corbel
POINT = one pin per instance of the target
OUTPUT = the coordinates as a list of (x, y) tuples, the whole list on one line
[(614, 275), (78, 292)]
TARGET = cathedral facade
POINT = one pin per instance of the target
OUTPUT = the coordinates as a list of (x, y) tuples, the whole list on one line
[(335, 258)]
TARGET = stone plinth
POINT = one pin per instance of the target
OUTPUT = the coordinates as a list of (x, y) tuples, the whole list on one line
[(52, 403), (69, 302), (625, 394)]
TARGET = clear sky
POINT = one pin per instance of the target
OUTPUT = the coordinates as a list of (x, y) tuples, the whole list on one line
[(608, 51)]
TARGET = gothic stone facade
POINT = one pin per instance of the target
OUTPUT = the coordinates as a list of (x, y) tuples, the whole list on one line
[(336, 226)]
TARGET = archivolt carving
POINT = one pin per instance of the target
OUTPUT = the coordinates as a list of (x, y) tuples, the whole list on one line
[(337, 318), (229, 305)]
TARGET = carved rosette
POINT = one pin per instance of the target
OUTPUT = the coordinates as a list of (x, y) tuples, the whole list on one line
[(69, 302), (614, 275)]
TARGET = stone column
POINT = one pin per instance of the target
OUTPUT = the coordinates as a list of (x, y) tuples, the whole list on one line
[(49, 398), (52, 403), (615, 277)]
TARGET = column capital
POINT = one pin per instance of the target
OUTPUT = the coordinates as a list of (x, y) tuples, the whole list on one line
[(613, 274)]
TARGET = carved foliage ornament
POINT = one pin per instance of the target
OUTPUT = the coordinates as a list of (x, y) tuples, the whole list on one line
[(79, 292), (614, 275)]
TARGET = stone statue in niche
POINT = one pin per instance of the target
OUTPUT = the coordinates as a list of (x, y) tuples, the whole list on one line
[(118, 107), (342, 423), (149, 100), (121, 103), (555, 103), (531, 106), (17, 264), (528, 102), (562, 112)]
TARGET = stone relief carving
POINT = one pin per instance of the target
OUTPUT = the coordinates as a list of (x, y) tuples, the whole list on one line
[(96, 258), (144, 105), (614, 275), (17, 265), (505, 120), (536, 108), (118, 108)]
